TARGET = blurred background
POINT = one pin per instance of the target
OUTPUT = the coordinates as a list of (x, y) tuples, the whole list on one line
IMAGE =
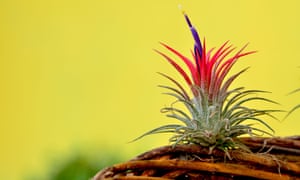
[(78, 78)]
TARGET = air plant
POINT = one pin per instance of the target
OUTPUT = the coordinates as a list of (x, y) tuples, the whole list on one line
[(215, 115)]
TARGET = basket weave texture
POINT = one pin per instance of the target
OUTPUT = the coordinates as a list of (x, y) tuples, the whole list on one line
[(272, 158)]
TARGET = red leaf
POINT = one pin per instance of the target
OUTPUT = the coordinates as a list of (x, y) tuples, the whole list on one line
[(177, 67), (188, 62), (226, 66)]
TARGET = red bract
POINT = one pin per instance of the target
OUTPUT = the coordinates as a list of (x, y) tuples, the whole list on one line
[(208, 69)]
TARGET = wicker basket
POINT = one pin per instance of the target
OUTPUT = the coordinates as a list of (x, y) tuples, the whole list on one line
[(272, 158)]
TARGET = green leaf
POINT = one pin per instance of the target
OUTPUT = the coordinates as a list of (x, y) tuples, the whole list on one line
[(187, 104), (175, 110), (239, 96), (171, 128), (176, 83), (292, 110), (175, 90)]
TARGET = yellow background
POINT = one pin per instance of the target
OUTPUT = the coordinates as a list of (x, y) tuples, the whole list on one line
[(81, 75)]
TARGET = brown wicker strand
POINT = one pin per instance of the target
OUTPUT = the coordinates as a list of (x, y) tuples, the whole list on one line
[(275, 158), (266, 160), (136, 178), (260, 159), (227, 168)]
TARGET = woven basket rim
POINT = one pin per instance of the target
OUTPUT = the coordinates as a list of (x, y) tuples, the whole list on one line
[(263, 163)]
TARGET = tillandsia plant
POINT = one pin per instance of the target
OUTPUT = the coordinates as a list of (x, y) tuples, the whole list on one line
[(215, 115)]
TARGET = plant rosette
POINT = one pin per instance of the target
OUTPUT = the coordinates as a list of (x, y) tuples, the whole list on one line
[(207, 142)]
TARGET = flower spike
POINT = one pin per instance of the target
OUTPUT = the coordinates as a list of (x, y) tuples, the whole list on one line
[(198, 45)]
